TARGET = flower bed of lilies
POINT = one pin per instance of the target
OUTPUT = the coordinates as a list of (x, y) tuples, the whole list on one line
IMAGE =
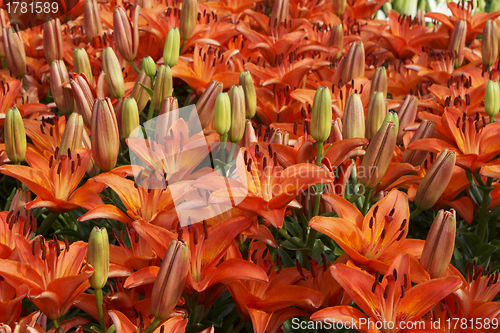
[(253, 165)]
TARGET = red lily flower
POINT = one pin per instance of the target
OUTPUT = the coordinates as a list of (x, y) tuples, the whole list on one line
[(176, 324)]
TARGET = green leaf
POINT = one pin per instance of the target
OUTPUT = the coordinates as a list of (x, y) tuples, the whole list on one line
[(149, 90), (288, 245)]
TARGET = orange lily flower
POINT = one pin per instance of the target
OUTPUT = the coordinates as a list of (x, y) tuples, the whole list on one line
[(10, 302), (10, 226), (393, 300), (176, 324), (54, 275)]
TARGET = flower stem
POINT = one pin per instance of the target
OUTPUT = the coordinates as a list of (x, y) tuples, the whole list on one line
[(366, 202), (151, 111), (288, 238), (482, 229), (231, 152), (153, 325), (98, 299), (317, 200), (239, 327), (56, 324), (134, 66), (223, 140), (47, 222), (415, 213)]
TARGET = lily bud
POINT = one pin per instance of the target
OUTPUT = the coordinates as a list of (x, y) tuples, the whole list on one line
[(457, 42), (339, 7), (130, 117), (14, 136), (81, 64), (172, 47), (321, 116), (105, 140), (15, 54), (126, 36), (417, 157), (189, 11), (169, 114), (436, 180), (169, 283), (492, 99), (148, 66), (163, 86), (489, 43), (222, 114), (375, 114), (337, 39), (250, 136), (84, 98), (407, 114), (246, 82), (52, 41), (92, 20), (379, 81), (354, 118), (98, 257), (237, 99), (62, 94), (354, 65), (379, 152), (439, 245), (279, 15), (73, 134), (139, 93), (206, 103), (114, 77)]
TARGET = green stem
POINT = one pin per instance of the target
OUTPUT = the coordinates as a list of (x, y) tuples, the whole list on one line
[(194, 307), (151, 111), (47, 223), (223, 140), (366, 202), (182, 46), (56, 324), (482, 229), (317, 200), (288, 238), (415, 213), (231, 152), (492, 119), (98, 299), (153, 325), (240, 326), (134, 66)]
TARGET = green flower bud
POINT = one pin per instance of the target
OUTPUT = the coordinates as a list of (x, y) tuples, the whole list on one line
[(14, 136), (172, 47), (375, 114), (337, 39), (222, 114), (130, 117), (321, 116), (114, 77), (98, 257), (492, 99), (237, 98), (81, 64), (148, 66), (163, 86), (189, 11), (246, 82)]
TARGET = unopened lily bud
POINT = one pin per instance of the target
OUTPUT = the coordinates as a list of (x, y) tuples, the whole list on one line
[(81, 64), (279, 15), (114, 77), (169, 283), (439, 245), (92, 20), (379, 81), (417, 157), (436, 180), (130, 117), (139, 93), (169, 114), (489, 43), (189, 11), (222, 114), (337, 39), (172, 47), (14, 136), (52, 41), (105, 139), (72, 137), (407, 114), (206, 103), (237, 99), (15, 54), (457, 42), (98, 257), (163, 86), (354, 118), (126, 36), (375, 114), (339, 7), (61, 90), (321, 116), (336, 133), (492, 99), (250, 136), (246, 82), (148, 66), (354, 65), (84, 98), (379, 152)]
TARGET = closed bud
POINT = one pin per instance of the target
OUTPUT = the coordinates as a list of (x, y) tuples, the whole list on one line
[(105, 140), (126, 36), (72, 137), (379, 153), (339, 7), (337, 39), (114, 77), (250, 136), (379, 81), (375, 114), (246, 82), (354, 65), (52, 41), (169, 283), (15, 54), (222, 114), (169, 114), (172, 47), (92, 20), (189, 11), (321, 116), (457, 42), (60, 87), (130, 117), (81, 64), (439, 245), (14, 136), (163, 86), (407, 114), (336, 133), (436, 180), (492, 99), (416, 157), (206, 103), (489, 43), (237, 100), (148, 66), (84, 97), (354, 118), (98, 257), (139, 93), (279, 15)]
